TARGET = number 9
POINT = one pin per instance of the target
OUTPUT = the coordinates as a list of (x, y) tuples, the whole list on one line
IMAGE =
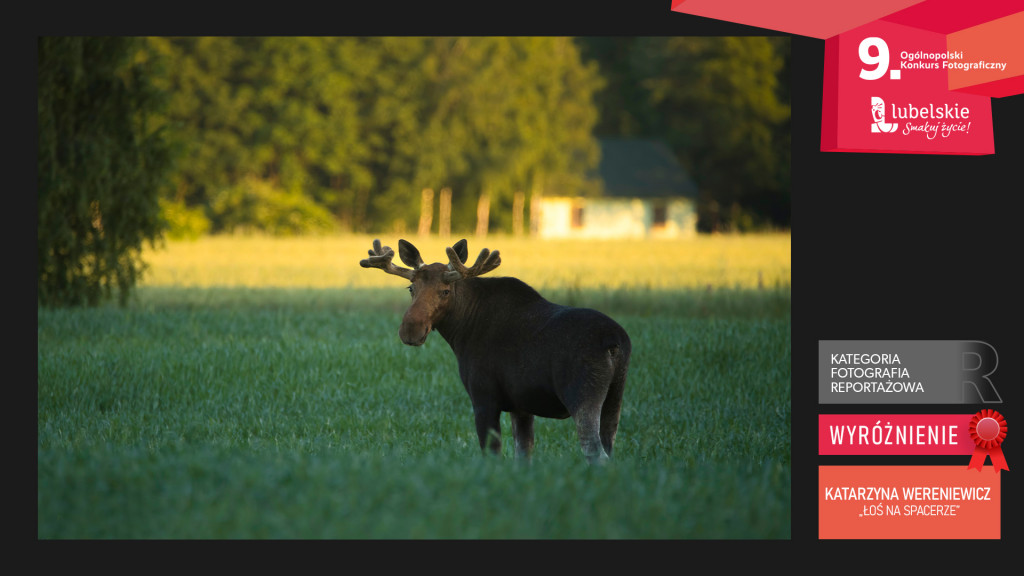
[(881, 61)]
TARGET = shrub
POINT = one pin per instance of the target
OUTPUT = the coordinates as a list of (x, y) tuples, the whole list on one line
[(258, 205), (182, 222)]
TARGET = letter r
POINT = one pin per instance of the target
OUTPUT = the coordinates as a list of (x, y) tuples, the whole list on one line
[(978, 361)]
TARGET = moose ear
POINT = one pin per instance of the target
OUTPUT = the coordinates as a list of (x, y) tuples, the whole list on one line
[(409, 254), (461, 250)]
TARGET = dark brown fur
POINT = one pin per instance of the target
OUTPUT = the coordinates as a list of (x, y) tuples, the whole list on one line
[(517, 352)]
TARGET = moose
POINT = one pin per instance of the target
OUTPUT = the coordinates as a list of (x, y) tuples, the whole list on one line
[(516, 351)]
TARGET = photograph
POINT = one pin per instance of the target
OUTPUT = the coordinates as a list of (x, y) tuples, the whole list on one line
[(606, 269), (533, 279)]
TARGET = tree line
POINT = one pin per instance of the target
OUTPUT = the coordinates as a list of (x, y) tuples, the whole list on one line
[(140, 137), (346, 132)]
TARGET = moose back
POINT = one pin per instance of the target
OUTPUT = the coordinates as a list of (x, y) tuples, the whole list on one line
[(517, 352)]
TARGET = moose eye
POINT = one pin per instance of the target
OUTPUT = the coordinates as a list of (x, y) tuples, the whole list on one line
[(411, 291), (445, 292)]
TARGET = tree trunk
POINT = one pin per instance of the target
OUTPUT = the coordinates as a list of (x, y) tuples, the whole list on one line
[(444, 228), (518, 199), (483, 211), (535, 215), (426, 212)]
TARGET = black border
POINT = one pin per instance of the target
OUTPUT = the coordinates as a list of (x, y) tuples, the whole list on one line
[(884, 247)]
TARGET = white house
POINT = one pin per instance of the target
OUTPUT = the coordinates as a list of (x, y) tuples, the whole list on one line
[(646, 194)]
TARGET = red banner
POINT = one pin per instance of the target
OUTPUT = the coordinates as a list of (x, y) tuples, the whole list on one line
[(886, 90), (907, 502), (894, 434)]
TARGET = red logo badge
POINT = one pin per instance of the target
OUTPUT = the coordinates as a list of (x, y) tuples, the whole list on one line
[(988, 430)]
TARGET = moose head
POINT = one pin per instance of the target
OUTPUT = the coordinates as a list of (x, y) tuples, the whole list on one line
[(434, 287)]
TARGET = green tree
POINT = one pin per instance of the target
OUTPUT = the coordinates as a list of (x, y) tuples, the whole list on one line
[(359, 126), (393, 97), (719, 99), (721, 103), (307, 95), (273, 109), (100, 166), (507, 115)]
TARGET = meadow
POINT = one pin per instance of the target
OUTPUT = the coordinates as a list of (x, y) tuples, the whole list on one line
[(256, 388)]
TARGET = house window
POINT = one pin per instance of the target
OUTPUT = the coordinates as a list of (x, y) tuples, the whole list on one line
[(577, 216), (660, 215)]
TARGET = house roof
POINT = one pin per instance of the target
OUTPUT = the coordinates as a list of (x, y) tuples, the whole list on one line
[(642, 169)]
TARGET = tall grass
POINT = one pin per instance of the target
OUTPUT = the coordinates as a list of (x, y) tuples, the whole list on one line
[(716, 262), (266, 395)]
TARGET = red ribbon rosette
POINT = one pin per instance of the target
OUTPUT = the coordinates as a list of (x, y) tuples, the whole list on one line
[(988, 429)]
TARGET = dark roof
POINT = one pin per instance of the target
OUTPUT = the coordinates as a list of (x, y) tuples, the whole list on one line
[(642, 169)]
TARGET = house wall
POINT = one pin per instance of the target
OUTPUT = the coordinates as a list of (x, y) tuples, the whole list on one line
[(681, 221), (616, 218)]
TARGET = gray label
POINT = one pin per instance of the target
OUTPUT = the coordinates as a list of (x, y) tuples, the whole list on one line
[(906, 372)]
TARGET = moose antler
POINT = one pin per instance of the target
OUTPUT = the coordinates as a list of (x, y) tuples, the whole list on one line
[(485, 262), (380, 257)]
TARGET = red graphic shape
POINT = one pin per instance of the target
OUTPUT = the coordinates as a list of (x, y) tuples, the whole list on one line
[(804, 17), (987, 30), (908, 109), (997, 41), (947, 16)]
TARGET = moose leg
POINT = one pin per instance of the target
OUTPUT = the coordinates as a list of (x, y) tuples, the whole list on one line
[(588, 423), (522, 432), (584, 399), (488, 428), (613, 406), (610, 420)]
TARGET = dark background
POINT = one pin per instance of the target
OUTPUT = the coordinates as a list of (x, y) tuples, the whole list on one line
[(900, 247), (891, 247), (885, 246)]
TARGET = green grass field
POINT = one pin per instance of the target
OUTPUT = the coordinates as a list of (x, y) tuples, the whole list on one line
[(257, 388)]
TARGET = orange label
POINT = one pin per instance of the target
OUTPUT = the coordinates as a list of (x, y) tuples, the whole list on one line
[(908, 502)]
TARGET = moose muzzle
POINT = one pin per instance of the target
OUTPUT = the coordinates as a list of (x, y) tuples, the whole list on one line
[(413, 331)]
